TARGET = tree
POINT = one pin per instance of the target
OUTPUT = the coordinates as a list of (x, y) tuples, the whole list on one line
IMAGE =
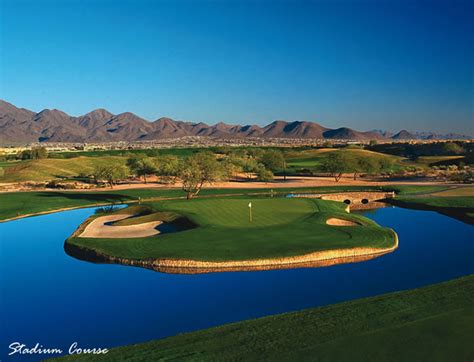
[(249, 166), (168, 168), (231, 166), (39, 153), (373, 142), (274, 160), (350, 163), (255, 152), (386, 164), (368, 165), (142, 165), (264, 174), (110, 173), (335, 163), (197, 170), (35, 153), (453, 148)]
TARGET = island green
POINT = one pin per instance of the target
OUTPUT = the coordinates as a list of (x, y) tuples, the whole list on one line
[(280, 227)]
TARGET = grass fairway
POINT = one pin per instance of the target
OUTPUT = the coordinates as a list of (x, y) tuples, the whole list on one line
[(280, 227), (467, 191), (434, 323), (441, 201), (16, 204), (458, 207), (403, 190)]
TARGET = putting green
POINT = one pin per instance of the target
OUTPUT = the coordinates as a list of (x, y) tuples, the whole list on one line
[(280, 228)]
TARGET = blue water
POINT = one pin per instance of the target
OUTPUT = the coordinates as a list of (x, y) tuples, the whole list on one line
[(53, 299)]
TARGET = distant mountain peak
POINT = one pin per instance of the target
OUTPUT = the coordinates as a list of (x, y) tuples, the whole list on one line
[(54, 111), (18, 125), (164, 119), (100, 112), (127, 115), (403, 135)]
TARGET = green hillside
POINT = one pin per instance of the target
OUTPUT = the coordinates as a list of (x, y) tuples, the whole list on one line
[(433, 323)]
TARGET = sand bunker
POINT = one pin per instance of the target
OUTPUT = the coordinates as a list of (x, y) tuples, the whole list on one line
[(99, 228), (340, 222)]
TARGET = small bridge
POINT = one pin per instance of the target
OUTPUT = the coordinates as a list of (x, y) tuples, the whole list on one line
[(352, 197)]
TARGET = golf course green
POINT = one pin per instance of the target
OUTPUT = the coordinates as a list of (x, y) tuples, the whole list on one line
[(220, 232)]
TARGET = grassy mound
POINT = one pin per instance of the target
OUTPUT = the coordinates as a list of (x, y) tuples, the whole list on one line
[(425, 324), (280, 227), (49, 168)]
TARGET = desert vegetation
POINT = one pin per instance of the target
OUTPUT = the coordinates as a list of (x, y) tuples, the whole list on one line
[(169, 166)]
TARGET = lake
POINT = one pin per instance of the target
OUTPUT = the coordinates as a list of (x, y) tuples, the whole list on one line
[(50, 298)]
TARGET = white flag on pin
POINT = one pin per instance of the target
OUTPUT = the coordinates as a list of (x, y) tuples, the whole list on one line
[(250, 204)]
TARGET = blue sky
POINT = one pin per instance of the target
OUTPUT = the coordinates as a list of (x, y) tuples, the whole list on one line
[(363, 64)]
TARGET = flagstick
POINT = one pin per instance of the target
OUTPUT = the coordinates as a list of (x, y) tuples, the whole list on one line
[(250, 213)]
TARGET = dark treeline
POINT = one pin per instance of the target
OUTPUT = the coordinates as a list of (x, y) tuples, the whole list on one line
[(414, 150)]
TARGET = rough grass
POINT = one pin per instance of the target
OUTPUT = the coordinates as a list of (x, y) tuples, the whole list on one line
[(280, 228), (433, 323)]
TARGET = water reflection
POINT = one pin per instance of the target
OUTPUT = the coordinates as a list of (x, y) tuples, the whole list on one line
[(51, 298)]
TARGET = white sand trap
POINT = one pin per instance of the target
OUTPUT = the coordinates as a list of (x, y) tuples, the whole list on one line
[(98, 228), (340, 222)]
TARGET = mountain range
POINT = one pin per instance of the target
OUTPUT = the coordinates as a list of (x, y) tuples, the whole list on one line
[(19, 125)]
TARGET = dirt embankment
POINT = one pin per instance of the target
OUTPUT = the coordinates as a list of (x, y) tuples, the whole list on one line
[(189, 266)]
